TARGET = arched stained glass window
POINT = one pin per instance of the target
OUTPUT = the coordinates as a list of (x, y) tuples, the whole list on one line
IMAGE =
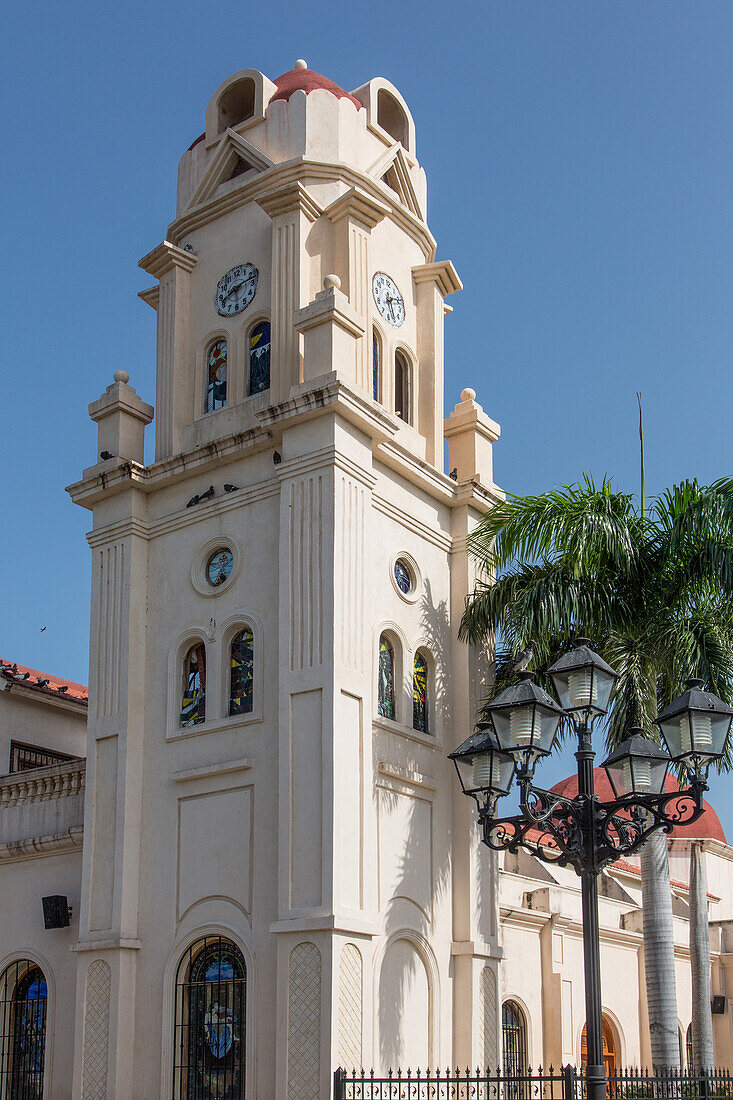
[(241, 684), (216, 376), (385, 685), (376, 366), (211, 997), (193, 701), (23, 999), (514, 1048), (402, 387), (420, 693), (259, 358)]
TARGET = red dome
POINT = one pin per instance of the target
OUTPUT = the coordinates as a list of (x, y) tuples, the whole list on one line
[(707, 826), (305, 80)]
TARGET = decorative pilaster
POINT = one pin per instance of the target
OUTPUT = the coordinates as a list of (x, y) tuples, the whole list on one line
[(175, 377), (108, 922), (434, 282), (292, 211), (353, 217)]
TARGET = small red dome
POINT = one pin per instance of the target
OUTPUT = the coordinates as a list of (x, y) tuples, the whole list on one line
[(305, 80), (707, 826)]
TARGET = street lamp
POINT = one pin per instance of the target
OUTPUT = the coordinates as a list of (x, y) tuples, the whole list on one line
[(584, 832)]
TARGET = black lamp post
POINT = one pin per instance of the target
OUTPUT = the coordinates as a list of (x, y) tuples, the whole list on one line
[(584, 832)]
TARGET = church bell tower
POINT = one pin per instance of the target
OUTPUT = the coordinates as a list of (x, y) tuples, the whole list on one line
[(280, 874)]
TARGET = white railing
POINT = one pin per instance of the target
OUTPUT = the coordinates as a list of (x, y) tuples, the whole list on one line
[(42, 802)]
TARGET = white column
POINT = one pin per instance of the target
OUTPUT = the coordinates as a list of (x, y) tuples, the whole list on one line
[(174, 392), (433, 282), (353, 217), (292, 211)]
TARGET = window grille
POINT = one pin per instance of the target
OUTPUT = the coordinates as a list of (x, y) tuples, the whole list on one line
[(23, 997), (688, 1048), (24, 757), (514, 1048), (211, 990)]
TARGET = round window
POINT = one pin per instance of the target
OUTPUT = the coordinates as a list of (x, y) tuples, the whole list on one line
[(403, 576), (219, 566)]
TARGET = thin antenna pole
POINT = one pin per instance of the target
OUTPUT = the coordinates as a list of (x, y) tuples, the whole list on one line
[(641, 446)]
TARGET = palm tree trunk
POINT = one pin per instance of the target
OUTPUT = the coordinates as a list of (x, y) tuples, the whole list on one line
[(702, 1019), (661, 989)]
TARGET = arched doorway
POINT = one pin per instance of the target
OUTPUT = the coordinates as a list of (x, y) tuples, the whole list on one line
[(609, 1048)]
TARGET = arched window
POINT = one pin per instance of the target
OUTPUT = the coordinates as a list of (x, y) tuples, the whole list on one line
[(236, 104), (376, 366), (193, 699), (259, 358), (23, 998), (514, 1044), (385, 683), (216, 376), (211, 999), (391, 117), (241, 680), (420, 715), (688, 1048), (402, 387)]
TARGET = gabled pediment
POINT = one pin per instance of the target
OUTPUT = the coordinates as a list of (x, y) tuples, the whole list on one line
[(234, 157), (392, 169)]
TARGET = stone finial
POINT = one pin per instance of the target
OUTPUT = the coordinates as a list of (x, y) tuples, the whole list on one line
[(468, 394), (121, 376), (332, 281), (300, 64)]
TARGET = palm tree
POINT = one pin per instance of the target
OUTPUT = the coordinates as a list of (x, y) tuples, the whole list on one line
[(655, 593)]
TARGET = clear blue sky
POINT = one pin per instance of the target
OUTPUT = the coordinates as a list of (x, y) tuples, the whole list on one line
[(580, 166)]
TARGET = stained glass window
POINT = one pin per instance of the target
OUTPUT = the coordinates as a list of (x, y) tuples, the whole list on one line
[(23, 996), (401, 387), (216, 376), (376, 366), (420, 693), (259, 358), (219, 566), (385, 685), (193, 703), (241, 684), (211, 991), (403, 576)]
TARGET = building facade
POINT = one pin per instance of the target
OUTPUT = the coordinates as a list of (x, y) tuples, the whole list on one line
[(271, 868)]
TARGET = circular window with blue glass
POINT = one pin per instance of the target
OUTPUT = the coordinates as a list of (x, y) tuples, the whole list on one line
[(405, 576), (219, 566)]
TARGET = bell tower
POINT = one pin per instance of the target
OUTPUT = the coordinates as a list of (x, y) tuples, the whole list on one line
[(275, 676)]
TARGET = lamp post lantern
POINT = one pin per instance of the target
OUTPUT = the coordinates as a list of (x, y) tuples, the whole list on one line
[(584, 832)]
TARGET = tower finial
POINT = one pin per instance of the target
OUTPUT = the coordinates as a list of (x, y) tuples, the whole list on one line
[(300, 64)]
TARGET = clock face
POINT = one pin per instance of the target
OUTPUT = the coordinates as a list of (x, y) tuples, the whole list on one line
[(236, 289), (388, 299)]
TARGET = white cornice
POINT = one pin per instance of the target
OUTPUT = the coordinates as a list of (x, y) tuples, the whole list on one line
[(301, 170), (36, 847)]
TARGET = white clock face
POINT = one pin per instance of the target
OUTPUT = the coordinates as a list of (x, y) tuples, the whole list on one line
[(236, 289), (388, 299)]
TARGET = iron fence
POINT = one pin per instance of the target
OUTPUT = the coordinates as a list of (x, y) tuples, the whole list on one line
[(565, 1083)]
